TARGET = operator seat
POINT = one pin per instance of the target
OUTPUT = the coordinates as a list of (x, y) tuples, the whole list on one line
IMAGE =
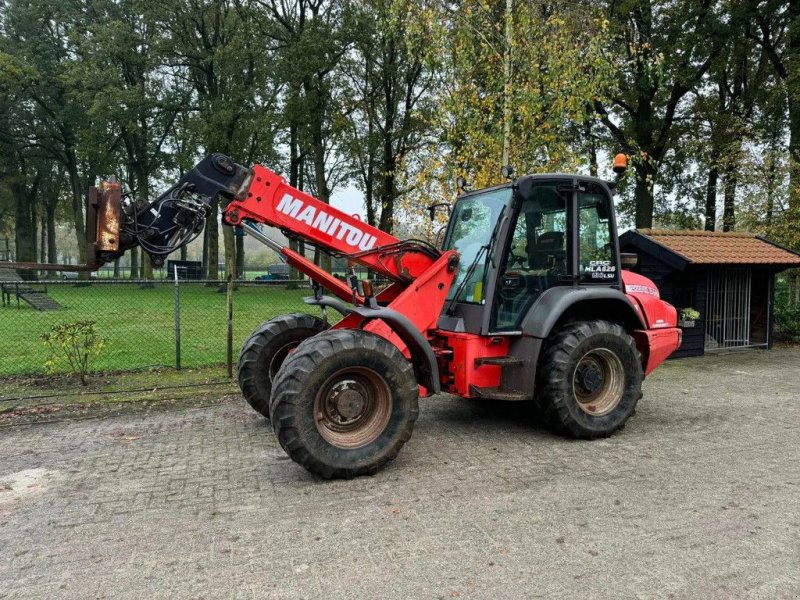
[(548, 253)]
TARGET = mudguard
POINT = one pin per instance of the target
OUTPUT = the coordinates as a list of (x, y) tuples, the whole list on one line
[(422, 357), (601, 302)]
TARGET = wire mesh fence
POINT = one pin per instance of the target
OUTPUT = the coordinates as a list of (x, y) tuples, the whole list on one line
[(137, 320)]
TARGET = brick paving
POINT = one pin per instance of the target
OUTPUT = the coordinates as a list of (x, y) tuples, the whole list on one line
[(699, 497)]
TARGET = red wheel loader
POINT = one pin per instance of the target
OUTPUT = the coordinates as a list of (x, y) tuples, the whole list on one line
[(525, 301)]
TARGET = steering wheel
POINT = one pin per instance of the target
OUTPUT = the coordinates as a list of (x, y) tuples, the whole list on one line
[(515, 259), (518, 286)]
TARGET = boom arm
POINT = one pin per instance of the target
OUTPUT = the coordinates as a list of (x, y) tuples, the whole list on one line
[(255, 195)]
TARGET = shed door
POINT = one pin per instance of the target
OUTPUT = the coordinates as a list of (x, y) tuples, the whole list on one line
[(728, 308)]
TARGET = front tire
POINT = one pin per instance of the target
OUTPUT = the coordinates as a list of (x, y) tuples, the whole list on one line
[(265, 350), (344, 403), (589, 379)]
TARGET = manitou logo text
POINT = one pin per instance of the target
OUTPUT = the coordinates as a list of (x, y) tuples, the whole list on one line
[(322, 221)]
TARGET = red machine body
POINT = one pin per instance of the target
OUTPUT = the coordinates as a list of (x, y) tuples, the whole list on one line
[(421, 281)]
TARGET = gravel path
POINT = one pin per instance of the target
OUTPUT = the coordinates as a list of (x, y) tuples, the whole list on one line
[(699, 497)]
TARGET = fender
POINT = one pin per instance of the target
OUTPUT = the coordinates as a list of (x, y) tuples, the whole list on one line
[(422, 357), (604, 302)]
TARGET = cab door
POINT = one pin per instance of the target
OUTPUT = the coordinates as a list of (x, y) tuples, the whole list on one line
[(537, 253), (563, 235)]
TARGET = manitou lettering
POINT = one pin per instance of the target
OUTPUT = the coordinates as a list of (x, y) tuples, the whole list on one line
[(328, 224)]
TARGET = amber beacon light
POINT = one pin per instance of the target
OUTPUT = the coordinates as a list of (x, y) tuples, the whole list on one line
[(620, 163)]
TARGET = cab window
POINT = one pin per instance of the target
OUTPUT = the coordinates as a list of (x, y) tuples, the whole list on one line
[(596, 260), (537, 255)]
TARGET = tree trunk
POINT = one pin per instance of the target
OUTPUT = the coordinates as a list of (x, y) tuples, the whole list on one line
[(230, 251), (794, 145), (143, 191), (587, 128), (77, 199), (147, 267), (24, 225), (711, 199), (388, 189), (134, 263), (240, 256), (368, 195), (388, 181), (50, 212), (295, 168), (204, 257), (645, 176), (213, 241), (791, 57), (772, 177), (728, 215), (318, 150), (43, 237)]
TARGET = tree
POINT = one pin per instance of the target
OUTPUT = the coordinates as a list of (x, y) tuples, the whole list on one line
[(122, 79), (214, 49), (390, 77), (311, 38), (558, 68), (777, 31), (38, 56), (665, 48)]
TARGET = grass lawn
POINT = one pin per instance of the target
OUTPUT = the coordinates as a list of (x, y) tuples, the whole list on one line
[(139, 323)]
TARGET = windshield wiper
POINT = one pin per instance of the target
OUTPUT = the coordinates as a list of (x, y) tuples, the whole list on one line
[(485, 248)]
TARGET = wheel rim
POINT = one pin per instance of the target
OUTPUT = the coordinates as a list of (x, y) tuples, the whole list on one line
[(598, 382), (353, 407), (278, 357)]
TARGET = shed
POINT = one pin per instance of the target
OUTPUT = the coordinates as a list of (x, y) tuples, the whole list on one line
[(729, 278)]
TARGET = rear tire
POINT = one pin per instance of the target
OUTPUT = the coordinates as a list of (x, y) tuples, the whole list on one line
[(589, 379), (266, 349), (344, 403)]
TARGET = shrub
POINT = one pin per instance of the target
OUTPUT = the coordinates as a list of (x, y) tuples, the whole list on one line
[(76, 344), (787, 320)]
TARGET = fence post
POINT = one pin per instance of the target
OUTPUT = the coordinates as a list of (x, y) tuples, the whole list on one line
[(177, 322), (229, 356)]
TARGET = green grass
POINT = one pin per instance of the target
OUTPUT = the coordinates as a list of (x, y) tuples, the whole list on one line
[(139, 324)]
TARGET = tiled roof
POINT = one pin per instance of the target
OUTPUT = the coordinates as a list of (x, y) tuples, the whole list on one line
[(716, 247)]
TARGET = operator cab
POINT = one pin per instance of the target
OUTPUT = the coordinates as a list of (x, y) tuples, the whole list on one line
[(521, 239)]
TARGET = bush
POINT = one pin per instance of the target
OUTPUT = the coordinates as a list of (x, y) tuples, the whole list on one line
[(787, 321), (76, 343)]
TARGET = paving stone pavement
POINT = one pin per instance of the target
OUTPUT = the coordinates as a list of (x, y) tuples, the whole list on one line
[(699, 497)]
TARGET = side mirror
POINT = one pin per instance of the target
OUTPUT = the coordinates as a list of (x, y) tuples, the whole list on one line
[(432, 209)]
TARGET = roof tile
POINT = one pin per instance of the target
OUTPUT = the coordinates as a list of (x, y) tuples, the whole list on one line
[(716, 247)]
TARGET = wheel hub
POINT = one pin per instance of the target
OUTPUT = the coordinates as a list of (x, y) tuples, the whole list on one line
[(348, 398), (352, 407), (590, 378), (598, 382)]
